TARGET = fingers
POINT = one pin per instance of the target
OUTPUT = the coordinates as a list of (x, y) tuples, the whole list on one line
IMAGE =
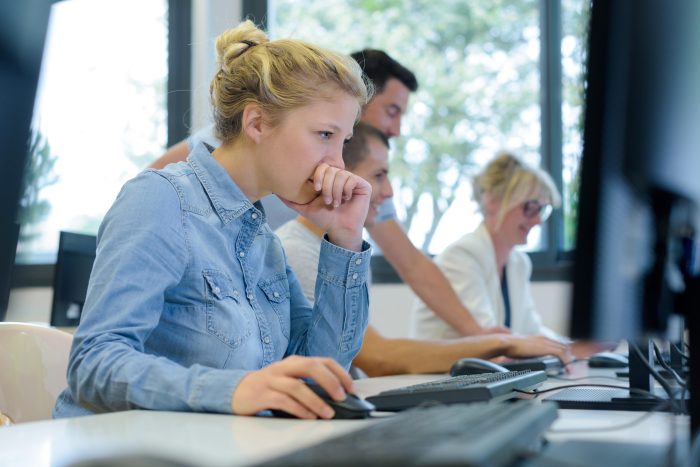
[(338, 374), (538, 345), (557, 348), (326, 372), (279, 386), (336, 185), (295, 397)]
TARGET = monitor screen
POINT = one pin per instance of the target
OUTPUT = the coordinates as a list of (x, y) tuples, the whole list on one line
[(640, 168), (76, 254), (22, 34)]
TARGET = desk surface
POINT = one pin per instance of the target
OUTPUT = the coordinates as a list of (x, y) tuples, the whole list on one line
[(225, 440)]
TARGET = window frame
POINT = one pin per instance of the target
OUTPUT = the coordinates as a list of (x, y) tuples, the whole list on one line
[(178, 118)]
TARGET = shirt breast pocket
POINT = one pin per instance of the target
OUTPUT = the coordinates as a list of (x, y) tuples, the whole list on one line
[(227, 318), (276, 290)]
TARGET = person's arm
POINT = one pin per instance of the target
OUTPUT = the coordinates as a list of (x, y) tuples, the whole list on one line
[(175, 153), (381, 356), (424, 278)]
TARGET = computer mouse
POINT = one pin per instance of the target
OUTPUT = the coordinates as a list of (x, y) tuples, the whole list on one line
[(608, 360), (352, 407), (474, 366)]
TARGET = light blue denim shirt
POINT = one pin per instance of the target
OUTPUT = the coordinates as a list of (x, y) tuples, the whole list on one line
[(191, 290)]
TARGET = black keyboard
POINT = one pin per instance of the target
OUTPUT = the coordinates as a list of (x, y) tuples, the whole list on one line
[(482, 387), (463, 434), (548, 364)]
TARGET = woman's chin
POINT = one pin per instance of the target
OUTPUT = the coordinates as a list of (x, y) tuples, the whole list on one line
[(303, 197)]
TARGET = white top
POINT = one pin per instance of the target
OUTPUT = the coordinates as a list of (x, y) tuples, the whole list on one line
[(303, 249), (469, 264)]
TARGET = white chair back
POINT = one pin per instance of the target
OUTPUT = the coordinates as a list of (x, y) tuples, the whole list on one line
[(33, 364)]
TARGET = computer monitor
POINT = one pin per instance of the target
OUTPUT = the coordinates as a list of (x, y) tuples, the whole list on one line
[(76, 255), (639, 198), (22, 34)]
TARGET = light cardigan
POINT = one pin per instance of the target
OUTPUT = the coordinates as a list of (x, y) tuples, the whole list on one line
[(469, 264)]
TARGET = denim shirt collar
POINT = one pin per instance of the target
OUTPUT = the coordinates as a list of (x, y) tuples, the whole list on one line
[(227, 198)]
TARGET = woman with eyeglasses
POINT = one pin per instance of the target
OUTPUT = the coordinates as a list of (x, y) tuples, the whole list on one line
[(490, 276)]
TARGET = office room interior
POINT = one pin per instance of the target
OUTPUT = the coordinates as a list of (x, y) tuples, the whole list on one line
[(584, 90), (140, 77)]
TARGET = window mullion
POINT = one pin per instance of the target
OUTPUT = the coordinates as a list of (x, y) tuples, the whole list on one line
[(551, 117)]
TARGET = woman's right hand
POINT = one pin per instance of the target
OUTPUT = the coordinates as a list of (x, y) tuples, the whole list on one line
[(278, 386), (535, 346)]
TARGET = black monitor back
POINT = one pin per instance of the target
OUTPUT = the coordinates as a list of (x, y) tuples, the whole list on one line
[(76, 255), (640, 168)]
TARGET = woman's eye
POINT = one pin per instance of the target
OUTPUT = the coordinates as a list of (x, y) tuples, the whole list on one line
[(325, 135)]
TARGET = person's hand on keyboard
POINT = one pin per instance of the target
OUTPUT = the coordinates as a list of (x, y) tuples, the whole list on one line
[(279, 387), (535, 346)]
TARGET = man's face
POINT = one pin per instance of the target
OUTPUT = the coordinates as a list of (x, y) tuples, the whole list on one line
[(385, 110), (375, 169)]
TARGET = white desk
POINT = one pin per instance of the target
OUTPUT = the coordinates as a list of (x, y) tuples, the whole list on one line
[(224, 440)]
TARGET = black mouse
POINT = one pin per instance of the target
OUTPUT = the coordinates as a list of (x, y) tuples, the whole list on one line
[(352, 407), (474, 366), (608, 360)]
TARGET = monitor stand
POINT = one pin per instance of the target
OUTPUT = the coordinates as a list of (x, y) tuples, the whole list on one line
[(640, 379)]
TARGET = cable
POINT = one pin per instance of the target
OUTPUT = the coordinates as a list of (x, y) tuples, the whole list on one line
[(667, 367), (679, 351), (664, 384)]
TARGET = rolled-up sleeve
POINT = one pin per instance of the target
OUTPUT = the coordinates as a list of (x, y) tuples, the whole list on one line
[(338, 320)]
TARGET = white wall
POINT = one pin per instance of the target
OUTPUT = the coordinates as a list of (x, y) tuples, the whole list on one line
[(391, 306)]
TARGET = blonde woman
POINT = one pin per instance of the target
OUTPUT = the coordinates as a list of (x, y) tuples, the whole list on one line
[(191, 304), (489, 275)]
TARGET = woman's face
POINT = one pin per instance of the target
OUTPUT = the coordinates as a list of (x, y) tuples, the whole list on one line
[(375, 169), (306, 137), (520, 219)]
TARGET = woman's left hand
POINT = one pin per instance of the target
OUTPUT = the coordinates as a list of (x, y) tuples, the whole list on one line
[(341, 206)]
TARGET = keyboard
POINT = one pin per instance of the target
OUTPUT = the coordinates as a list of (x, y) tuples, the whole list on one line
[(548, 364), (464, 434), (482, 387)]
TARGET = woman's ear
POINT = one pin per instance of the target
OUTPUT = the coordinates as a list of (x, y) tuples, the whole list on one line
[(252, 122), (490, 205)]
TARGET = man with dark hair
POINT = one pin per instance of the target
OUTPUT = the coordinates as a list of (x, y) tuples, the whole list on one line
[(366, 155), (393, 85)]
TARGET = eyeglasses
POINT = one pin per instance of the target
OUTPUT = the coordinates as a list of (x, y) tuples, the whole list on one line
[(533, 207)]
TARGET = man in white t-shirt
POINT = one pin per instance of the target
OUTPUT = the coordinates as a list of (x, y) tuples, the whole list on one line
[(366, 155)]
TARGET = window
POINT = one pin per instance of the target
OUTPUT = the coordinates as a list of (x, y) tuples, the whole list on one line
[(575, 17), (478, 64), (100, 115)]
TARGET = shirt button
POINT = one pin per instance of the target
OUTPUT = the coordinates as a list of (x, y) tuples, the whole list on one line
[(358, 261), (250, 296), (241, 254), (267, 339), (254, 215), (354, 276), (217, 290), (235, 293), (276, 295)]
